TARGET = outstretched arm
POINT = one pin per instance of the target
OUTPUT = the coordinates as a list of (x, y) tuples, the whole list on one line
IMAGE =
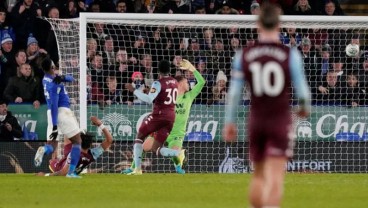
[(186, 65), (230, 131), (155, 89), (299, 82), (236, 86), (106, 143)]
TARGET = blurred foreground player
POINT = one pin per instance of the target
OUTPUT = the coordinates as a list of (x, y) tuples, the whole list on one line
[(268, 68)]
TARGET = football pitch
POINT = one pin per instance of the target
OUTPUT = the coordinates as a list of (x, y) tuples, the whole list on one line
[(176, 191)]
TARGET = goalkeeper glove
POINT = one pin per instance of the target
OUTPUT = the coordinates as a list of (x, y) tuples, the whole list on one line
[(54, 133), (58, 79)]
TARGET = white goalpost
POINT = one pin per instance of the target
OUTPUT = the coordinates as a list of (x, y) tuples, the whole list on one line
[(104, 51)]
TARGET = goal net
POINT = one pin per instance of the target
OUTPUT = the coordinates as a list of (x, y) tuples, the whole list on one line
[(105, 51)]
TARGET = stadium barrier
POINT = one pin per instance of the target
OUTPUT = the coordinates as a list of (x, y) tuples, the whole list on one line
[(326, 123), (204, 157)]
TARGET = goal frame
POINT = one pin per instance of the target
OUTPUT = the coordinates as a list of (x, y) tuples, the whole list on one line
[(177, 17)]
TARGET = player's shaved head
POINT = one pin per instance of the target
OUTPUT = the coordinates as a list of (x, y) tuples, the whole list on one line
[(269, 17), (164, 67)]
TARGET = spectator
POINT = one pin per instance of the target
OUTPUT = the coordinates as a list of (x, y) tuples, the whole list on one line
[(330, 9), (24, 88), (324, 61), (363, 73), (219, 90), (138, 83), (291, 38), (33, 55), (94, 93), (226, 9), (329, 92), (112, 95), (105, 5), (6, 61), (302, 7), (221, 59), (91, 50), (51, 43), (145, 67), (176, 63), (206, 96), (175, 7), (108, 53), (199, 10), (95, 7), (353, 95), (9, 125), (23, 18), (337, 66), (255, 8), (193, 50), (207, 42), (309, 62), (121, 6), (98, 33), (97, 69), (234, 45), (4, 27), (123, 70), (139, 45)]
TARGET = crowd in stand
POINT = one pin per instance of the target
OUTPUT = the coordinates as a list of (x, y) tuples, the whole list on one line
[(119, 54)]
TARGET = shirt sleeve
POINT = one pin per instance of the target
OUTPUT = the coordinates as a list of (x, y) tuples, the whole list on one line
[(97, 152), (68, 78), (53, 91), (155, 89), (198, 87), (236, 86), (298, 78)]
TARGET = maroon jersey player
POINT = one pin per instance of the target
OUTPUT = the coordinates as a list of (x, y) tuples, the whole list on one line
[(87, 156), (163, 95), (268, 68)]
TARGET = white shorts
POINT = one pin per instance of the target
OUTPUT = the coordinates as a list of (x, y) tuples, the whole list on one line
[(67, 123)]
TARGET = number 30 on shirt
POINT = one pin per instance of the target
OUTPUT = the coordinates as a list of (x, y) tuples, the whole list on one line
[(171, 95)]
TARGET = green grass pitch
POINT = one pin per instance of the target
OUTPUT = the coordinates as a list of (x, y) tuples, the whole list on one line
[(176, 191)]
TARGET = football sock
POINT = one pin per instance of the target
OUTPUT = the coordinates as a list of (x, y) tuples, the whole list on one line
[(75, 155), (133, 162), (49, 149), (175, 160), (137, 152), (166, 152)]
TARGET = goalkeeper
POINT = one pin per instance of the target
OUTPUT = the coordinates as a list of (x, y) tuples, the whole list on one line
[(184, 102)]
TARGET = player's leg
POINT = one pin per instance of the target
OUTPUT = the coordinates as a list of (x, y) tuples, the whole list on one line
[(69, 126), (257, 148), (74, 155), (176, 143), (147, 147), (274, 171), (149, 125), (49, 147), (161, 137), (257, 183)]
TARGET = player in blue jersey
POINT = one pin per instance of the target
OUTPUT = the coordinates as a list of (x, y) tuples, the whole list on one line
[(268, 68), (59, 117)]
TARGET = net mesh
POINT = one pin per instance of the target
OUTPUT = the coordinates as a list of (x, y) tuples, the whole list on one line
[(333, 139)]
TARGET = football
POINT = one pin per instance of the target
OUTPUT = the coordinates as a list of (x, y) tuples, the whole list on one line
[(352, 50)]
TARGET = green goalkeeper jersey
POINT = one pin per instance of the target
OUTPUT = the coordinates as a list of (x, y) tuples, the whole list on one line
[(183, 106)]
